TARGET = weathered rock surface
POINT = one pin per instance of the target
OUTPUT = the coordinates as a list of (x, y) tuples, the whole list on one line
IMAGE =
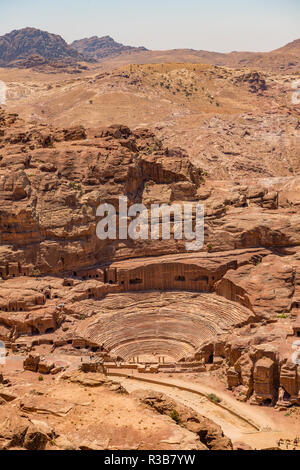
[(209, 433)]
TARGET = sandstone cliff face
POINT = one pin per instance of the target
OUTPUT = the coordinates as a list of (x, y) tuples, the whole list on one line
[(258, 363), (40, 166), (52, 181)]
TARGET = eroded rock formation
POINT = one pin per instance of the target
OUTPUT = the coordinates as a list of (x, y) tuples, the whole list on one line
[(63, 287)]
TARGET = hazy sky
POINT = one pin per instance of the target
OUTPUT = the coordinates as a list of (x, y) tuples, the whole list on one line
[(218, 25)]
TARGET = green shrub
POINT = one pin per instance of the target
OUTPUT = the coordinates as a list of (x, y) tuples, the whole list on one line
[(175, 416), (214, 398), (282, 315)]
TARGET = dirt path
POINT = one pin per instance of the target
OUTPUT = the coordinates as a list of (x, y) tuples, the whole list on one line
[(239, 421), (258, 427)]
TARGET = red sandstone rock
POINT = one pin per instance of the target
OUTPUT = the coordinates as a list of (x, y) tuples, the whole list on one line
[(264, 380), (32, 362), (45, 366), (209, 433)]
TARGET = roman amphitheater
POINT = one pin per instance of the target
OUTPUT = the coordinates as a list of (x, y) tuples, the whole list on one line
[(158, 310), (148, 310)]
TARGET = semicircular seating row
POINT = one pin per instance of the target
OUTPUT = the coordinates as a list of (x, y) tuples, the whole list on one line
[(174, 328)]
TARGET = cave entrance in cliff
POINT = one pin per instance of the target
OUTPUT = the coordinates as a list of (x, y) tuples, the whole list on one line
[(267, 402)]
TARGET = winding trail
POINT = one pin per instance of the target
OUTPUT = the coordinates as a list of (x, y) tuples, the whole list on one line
[(238, 420)]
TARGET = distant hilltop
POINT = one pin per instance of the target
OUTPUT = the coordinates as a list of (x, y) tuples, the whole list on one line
[(98, 48), (17, 47), (31, 47)]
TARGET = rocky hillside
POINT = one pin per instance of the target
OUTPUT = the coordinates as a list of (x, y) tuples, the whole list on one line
[(291, 48), (31, 46), (217, 114), (285, 59), (98, 48)]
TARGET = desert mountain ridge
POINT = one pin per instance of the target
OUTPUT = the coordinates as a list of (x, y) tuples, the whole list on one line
[(96, 48), (31, 47), (19, 46)]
